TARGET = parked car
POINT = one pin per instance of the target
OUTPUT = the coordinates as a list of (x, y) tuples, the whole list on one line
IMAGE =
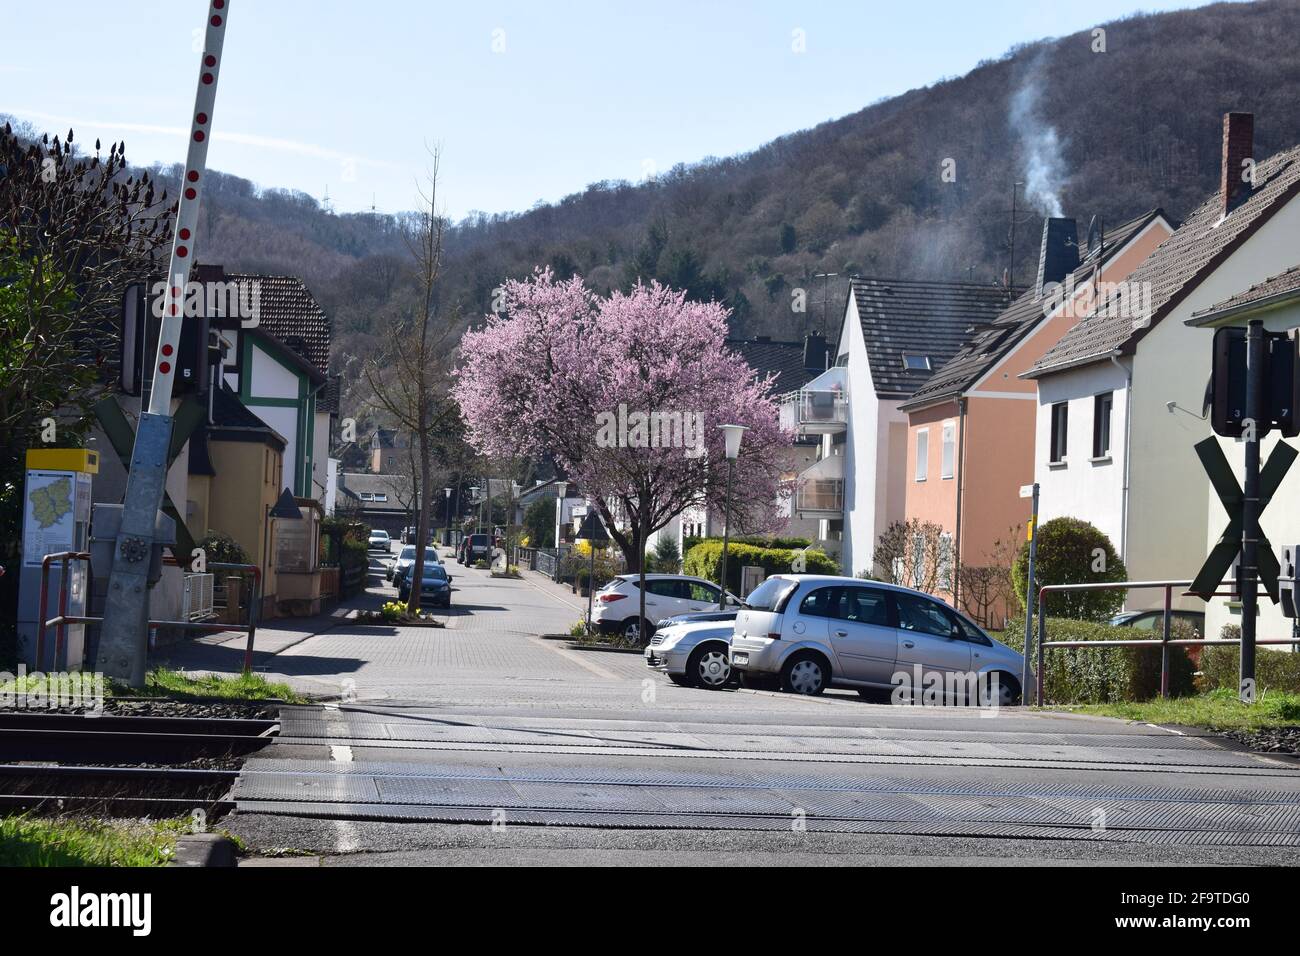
[(1155, 620), (379, 541), (406, 559), (436, 586), (817, 631), (692, 649), (475, 547), (617, 605)]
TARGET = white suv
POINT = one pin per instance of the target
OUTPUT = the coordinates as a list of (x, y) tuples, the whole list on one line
[(379, 541), (617, 605)]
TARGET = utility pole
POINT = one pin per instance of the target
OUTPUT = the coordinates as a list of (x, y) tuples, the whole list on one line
[(1029, 491), (123, 643), (1011, 258)]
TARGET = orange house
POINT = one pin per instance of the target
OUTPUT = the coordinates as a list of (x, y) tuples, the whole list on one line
[(970, 441)]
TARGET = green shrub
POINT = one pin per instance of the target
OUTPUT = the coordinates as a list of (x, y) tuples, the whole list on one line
[(667, 559), (704, 561), (220, 548), (1105, 675), (1067, 554), (691, 541), (1221, 666)]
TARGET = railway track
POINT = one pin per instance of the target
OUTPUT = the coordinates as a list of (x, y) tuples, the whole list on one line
[(124, 765)]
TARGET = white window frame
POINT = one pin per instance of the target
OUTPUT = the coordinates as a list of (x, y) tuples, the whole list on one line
[(922, 469), (948, 457)]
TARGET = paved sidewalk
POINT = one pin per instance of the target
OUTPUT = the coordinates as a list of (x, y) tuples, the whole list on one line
[(223, 652)]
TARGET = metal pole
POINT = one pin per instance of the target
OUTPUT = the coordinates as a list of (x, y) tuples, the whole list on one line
[(1250, 506), (1042, 640), (591, 584), (1029, 591), (1164, 642), (254, 605), (726, 535)]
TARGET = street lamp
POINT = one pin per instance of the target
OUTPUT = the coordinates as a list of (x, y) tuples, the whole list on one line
[(473, 495), (733, 434), (447, 505), (561, 489)]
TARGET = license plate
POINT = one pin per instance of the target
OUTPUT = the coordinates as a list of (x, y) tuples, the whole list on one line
[(740, 658)]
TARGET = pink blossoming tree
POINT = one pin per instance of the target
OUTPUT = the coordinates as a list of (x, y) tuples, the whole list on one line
[(626, 394)]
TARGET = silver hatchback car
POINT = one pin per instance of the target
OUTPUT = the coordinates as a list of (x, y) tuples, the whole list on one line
[(814, 631)]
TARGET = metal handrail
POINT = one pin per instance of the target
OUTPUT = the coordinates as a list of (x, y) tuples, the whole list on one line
[(64, 618), (1164, 642)]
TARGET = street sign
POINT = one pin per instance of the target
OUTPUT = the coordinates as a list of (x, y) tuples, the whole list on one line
[(592, 529)]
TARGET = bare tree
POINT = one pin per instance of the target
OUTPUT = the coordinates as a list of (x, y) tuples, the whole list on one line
[(986, 588), (408, 379), (915, 554)]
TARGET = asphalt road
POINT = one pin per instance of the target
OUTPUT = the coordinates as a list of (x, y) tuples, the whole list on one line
[(484, 743)]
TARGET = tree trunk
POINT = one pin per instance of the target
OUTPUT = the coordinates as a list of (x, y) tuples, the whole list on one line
[(422, 523)]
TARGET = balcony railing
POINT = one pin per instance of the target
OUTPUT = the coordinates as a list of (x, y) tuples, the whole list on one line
[(814, 411), (820, 496)]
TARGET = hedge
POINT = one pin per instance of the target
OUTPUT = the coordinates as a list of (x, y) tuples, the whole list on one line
[(704, 559), (691, 541), (1221, 666), (1105, 675)]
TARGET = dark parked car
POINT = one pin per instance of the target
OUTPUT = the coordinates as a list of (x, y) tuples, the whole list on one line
[(436, 586), (1154, 620), (475, 547)]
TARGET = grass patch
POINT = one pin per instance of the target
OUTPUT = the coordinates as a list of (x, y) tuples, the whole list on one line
[(42, 841), (162, 682), (1217, 710)]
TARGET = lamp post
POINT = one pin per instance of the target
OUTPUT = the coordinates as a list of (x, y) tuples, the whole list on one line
[(473, 494), (733, 434), (561, 490), (447, 505)]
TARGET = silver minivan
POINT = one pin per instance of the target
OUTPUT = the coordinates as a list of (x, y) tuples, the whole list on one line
[(815, 631)]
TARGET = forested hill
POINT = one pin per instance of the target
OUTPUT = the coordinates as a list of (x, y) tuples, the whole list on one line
[(1111, 133)]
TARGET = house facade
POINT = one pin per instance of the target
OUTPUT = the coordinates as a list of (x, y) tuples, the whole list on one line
[(1134, 365), (894, 336), (971, 428)]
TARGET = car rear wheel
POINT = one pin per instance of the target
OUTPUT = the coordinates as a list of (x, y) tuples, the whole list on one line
[(633, 631), (1006, 694), (805, 674), (709, 667)]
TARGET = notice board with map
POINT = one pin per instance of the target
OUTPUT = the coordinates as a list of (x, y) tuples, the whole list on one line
[(55, 502)]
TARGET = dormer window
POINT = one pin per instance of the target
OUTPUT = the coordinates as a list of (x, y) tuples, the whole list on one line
[(916, 363)]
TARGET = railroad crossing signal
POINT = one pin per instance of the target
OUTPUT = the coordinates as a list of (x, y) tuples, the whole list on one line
[(1225, 484)]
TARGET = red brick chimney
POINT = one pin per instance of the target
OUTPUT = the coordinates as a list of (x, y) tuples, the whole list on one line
[(1238, 145)]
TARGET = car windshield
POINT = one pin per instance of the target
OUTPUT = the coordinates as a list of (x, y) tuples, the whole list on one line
[(434, 571), (768, 595)]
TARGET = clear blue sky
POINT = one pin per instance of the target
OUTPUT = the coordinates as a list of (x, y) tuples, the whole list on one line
[(346, 93)]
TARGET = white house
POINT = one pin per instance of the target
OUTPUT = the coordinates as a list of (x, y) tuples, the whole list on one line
[(278, 369), (894, 335), (1120, 395), (1276, 303)]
